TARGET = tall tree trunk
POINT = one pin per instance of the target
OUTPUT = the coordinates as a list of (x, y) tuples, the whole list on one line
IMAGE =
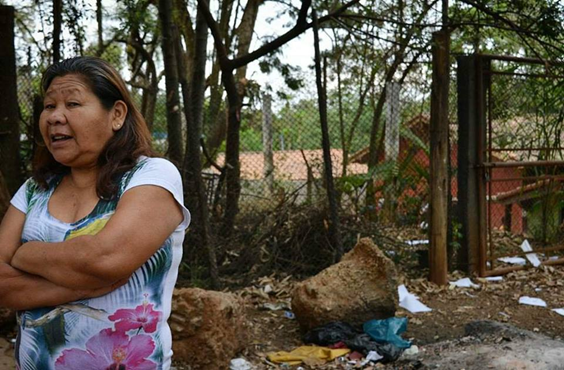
[(376, 135), (215, 119), (174, 123), (232, 165), (10, 161), (234, 99), (99, 19), (193, 96), (244, 35), (4, 197), (334, 229), (57, 23)]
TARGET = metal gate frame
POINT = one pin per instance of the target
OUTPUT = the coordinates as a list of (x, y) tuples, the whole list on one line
[(476, 162)]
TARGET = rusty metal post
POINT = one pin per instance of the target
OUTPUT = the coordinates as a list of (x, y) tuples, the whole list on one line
[(482, 85), (439, 159)]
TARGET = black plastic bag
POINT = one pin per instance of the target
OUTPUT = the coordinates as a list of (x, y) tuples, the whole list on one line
[(363, 343), (331, 333)]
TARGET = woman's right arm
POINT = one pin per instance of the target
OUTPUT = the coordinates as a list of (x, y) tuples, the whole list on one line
[(20, 290)]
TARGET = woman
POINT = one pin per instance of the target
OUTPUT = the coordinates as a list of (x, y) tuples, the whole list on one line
[(90, 246)]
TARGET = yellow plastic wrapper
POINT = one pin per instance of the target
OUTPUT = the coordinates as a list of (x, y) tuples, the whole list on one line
[(310, 355)]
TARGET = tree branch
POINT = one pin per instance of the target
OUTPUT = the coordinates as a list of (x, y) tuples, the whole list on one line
[(297, 30), (518, 29)]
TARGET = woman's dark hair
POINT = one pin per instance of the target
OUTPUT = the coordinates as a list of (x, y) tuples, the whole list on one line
[(126, 145)]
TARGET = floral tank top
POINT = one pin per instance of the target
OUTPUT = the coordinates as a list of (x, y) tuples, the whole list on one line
[(123, 330)]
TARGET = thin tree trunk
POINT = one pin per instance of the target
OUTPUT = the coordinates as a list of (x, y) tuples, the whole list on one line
[(4, 197), (244, 35), (57, 23), (234, 99), (10, 161), (174, 123), (192, 167), (99, 19), (334, 229), (376, 135), (215, 119)]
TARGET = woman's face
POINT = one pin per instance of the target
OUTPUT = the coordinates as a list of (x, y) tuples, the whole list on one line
[(74, 124)]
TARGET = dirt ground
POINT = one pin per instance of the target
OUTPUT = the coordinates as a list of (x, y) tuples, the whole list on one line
[(437, 334), (444, 327)]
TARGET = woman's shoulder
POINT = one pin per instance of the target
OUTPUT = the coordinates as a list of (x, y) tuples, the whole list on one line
[(154, 165), (150, 169)]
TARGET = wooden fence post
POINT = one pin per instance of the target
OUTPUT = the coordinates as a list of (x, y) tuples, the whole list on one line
[(439, 181)]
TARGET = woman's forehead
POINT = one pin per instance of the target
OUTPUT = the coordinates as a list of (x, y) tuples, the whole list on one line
[(68, 85)]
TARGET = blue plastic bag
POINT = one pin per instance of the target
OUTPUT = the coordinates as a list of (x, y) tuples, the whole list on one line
[(388, 331)]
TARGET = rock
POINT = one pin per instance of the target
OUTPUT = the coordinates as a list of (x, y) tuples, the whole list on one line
[(208, 328), (7, 319), (362, 287)]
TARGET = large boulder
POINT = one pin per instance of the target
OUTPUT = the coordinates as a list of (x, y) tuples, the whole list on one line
[(362, 287), (208, 328)]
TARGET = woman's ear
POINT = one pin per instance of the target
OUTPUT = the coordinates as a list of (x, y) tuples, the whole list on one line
[(119, 112)]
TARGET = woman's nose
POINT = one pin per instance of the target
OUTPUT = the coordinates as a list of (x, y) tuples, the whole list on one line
[(56, 116)]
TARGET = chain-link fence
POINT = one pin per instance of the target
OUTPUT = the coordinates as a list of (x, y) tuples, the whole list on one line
[(524, 147), (379, 133)]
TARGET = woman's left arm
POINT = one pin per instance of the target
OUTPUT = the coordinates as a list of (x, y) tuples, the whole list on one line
[(144, 218)]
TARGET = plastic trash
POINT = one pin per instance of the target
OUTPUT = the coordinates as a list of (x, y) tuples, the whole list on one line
[(307, 354), (289, 315), (532, 301), (331, 333), (410, 301), (371, 356), (365, 344), (240, 364), (388, 331), (559, 311), (411, 351), (417, 242)]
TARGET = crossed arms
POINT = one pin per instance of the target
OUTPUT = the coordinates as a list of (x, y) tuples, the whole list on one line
[(38, 274)]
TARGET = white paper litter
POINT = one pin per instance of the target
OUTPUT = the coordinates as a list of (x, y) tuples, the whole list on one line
[(417, 242), (532, 301), (559, 311), (494, 278), (532, 257), (553, 258), (513, 260), (464, 283), (371, 356), (410, 301)]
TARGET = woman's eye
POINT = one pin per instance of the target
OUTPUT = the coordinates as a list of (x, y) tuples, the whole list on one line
[(49, 106), (73, 104)]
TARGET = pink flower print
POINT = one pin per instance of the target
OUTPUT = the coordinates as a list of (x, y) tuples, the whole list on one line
[(142, 316), (110, 350)]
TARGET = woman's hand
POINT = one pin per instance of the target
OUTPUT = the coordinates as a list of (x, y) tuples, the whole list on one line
[(98, 292)]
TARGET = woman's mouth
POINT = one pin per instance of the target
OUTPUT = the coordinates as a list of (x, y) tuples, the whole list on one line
[(58, 138)]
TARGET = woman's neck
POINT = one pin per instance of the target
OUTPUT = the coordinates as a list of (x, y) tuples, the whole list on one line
[(83, 179)]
